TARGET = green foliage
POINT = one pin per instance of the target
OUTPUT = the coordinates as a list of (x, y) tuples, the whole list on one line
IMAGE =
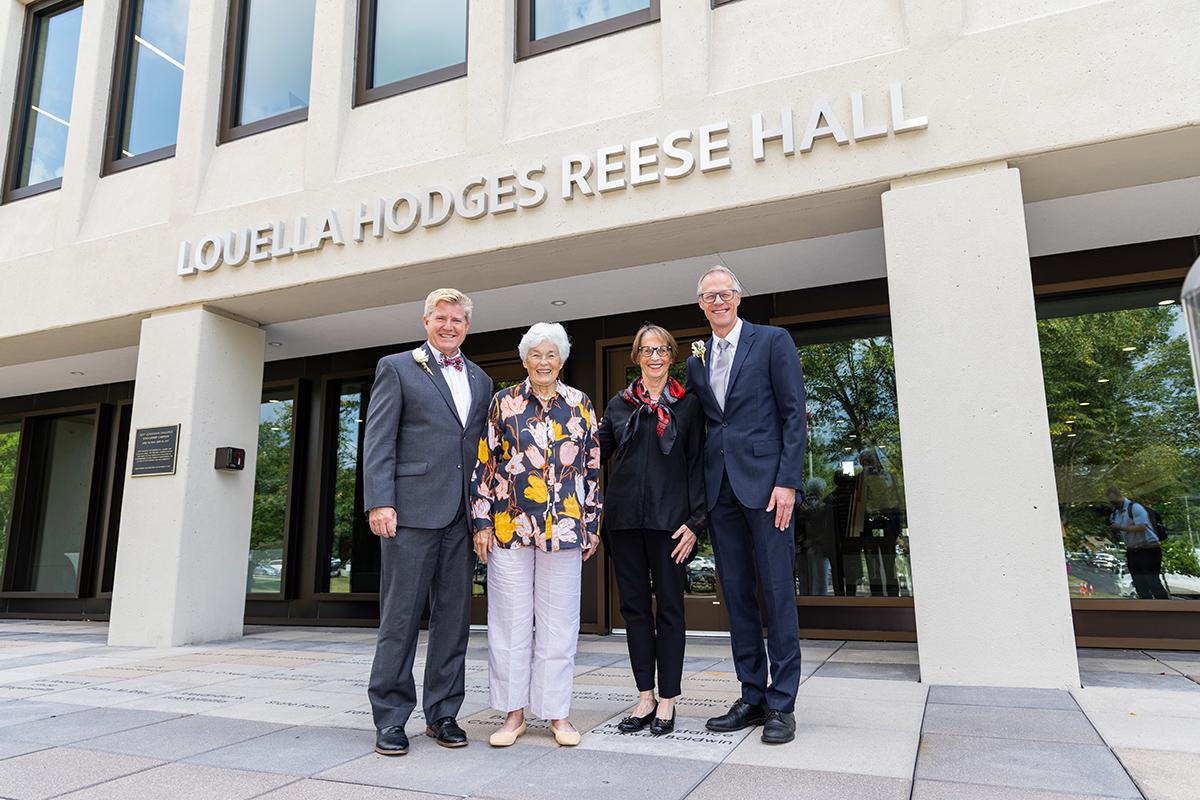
[(10, 441), (1122, 409)]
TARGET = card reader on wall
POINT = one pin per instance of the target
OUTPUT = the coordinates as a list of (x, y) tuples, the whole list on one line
[(230, 458)]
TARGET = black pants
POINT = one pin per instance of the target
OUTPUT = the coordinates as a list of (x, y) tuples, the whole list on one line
[(645, 570), (1145, 564)]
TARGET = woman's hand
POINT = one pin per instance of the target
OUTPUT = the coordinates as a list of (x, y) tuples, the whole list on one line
[(687, 540), (484, 540), (591, 549)]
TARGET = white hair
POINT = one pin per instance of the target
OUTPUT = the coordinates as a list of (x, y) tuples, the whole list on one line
[(550, 332), (737, 285)]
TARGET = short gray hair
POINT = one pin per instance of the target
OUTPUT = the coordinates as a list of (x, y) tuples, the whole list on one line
[(452, 296), (550, 332), (737, 285)]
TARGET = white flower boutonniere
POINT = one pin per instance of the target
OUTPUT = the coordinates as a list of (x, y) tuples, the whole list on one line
[(422, 358), (698, 350)]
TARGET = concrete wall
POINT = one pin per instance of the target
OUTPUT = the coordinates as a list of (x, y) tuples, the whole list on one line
[(995, 82)]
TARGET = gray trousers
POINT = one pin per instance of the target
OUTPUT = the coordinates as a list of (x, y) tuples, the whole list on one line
[(416, 565)]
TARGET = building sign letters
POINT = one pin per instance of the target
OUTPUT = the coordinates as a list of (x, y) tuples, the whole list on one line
[(611, 168)]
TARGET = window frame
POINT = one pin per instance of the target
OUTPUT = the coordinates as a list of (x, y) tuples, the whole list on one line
[(21, 97), (527, 47), (292, 510), (118, 98), (231, 84), (364, 61)]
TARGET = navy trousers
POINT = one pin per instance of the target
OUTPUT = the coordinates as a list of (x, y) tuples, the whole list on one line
[(749, 549)]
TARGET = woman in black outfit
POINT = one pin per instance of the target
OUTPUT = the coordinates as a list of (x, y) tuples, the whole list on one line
[(653, 508)]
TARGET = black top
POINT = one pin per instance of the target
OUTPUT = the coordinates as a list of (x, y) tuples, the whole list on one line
[(646, 489)]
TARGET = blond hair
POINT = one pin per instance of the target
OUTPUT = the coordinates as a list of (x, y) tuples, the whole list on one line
[(452, 296), (650, 329)]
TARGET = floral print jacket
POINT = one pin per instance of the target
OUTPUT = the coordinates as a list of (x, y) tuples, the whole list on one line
[(536, 480)]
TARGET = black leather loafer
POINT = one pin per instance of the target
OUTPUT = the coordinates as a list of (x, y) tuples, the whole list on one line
[(632, 724), (780, 727), (447, 733), (741, 715), (661, 726), (391, 741)]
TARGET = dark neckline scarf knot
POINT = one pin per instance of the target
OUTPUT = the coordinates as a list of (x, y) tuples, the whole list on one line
[(636, 395)]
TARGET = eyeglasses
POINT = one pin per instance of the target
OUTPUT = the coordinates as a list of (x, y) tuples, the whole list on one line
[(663, 350), (708, 298)]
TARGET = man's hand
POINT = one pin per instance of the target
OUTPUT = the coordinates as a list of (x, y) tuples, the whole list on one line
[(783, 500), (483, 540), (383, 521)]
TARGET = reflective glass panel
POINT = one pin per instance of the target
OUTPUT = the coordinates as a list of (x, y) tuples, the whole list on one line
[(413, 37), (354, 551), (52, 78), (276, 59), (63, 479), (268, 526), (1126, 440), (851, 526), (10, 444), (557, 16), (154, 76)]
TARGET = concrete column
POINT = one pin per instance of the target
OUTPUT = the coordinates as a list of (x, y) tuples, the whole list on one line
[(185, 538), (989, 576)]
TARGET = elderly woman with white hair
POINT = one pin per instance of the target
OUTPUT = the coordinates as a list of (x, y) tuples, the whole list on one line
[(535, 506)]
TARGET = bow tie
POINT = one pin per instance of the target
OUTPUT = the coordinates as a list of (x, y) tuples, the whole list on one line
[(456, 362)]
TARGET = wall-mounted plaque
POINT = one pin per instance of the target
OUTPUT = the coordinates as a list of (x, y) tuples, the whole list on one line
[(154, 451)]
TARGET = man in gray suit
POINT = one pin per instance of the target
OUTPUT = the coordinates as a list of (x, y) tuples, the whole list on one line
[(424, 421)]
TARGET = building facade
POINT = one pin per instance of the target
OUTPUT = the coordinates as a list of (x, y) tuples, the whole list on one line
[(973, 217)]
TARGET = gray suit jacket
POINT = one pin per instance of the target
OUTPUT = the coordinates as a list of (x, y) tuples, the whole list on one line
[(418, 456)]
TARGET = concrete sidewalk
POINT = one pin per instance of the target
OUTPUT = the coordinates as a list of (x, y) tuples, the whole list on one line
[(282, 714)]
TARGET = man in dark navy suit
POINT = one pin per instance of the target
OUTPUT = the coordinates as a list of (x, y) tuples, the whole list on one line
[(750, 386)]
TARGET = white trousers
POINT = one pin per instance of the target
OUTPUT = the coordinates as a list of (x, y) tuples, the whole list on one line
[(525, 584)]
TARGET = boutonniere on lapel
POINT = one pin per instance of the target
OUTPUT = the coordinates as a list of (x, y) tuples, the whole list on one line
[(698, 351), (422, 358)]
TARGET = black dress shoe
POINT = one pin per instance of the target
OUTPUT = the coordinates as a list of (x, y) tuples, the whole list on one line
[(741, 715), (661, 726), (780, 727), (447, 733), (391, 741), (632, 724)]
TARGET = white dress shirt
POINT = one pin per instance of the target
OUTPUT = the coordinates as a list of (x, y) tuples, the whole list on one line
[(732, 338), (459, 382), (723, 362)]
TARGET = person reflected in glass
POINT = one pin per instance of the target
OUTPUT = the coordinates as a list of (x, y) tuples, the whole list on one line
[(653, 432), (535, 507), (1131, 523)]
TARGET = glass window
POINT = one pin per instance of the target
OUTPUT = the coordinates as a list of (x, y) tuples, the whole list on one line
[(54, 513), (269, 523), (49, 80), (544, 25), (274, 60), (1126, 441), (354, 552), (412, 38), (557, 16), (10, 444), (851, 526), (153, 77)]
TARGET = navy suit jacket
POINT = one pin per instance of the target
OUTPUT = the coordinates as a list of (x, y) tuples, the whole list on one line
[(759, 438)]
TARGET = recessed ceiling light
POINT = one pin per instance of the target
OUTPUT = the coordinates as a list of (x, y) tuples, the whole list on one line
[(1085, 404), (558, 302), (274, 344), (1166, 302), (1102, 380), (849, 449), (76, 372), (1129, 349)]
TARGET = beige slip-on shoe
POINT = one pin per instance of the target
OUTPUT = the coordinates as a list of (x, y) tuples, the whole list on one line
[(506, 738), (566, 738)]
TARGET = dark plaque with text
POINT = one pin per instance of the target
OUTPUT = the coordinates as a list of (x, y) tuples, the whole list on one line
[(154, 451)]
